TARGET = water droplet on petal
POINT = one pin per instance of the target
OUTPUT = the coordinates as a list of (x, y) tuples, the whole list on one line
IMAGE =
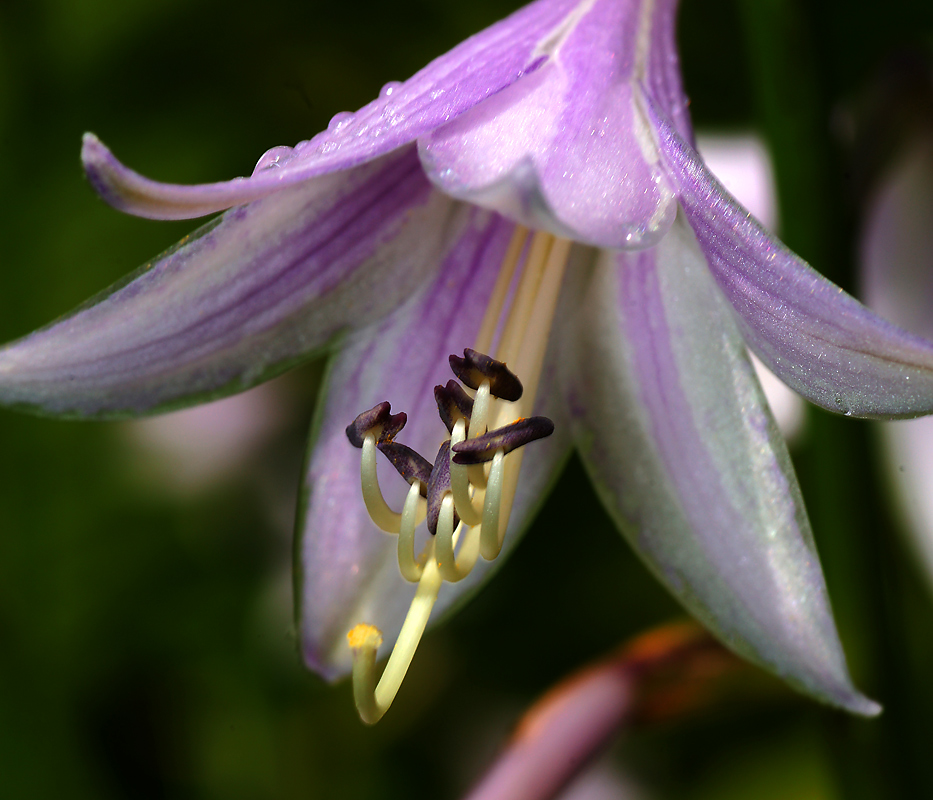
[(843, 405), (389, 89), (340, 121), (274, 158)]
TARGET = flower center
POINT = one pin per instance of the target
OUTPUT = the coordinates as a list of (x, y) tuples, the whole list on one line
[(466, 495)]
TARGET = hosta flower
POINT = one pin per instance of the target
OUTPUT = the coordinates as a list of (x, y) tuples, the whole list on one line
[(533, 195)]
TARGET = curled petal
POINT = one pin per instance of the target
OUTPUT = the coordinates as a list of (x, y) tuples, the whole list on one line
[(568, 148), (347, 569), (662, 77), (688, 460), (247, 296), (474, 70), (811, 334)]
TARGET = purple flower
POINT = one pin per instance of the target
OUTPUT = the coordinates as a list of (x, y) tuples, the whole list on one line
[(533, 194)]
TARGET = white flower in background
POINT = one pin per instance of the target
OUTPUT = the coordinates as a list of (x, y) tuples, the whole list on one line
[(897, 276)]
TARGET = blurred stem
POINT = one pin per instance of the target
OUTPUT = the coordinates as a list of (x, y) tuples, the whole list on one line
[(793, 96)]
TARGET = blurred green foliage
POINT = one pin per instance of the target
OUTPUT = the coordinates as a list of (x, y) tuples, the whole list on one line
[(146, 648)]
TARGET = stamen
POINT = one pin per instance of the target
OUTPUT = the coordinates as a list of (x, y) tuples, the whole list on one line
[(454, 568), (481, 404), (475, 368), (412, 466), (365, 641), (491, 536), (373, 701), (538, 333), (514, 331), (469, 499), (379, 422), (453, 404), (413, 513), (481, 408), (384, 517), (506, 439), (438, 486), (493, 314), (460, 482)]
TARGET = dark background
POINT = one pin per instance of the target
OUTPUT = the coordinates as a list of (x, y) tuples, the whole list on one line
[(146, 645)]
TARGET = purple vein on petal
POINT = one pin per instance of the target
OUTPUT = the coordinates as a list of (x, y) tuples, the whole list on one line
[(819, 340), (706, 492), (264, 285)]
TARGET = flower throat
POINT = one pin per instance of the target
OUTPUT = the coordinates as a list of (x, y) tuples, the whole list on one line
[(466, 495)]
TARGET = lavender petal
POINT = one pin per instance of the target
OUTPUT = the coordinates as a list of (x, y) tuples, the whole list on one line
[(820, 341), (476, 69), (686, 456), (247, 296), (567, 149)]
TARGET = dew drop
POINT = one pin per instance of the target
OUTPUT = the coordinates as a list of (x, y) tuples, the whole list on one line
[(389, 89), (842, 405), (274, 158), (340, 121)]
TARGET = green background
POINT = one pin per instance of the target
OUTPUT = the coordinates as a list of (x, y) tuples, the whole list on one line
[(146, 644)]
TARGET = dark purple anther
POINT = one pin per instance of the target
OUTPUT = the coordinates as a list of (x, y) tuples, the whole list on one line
[(507, 439), (438, 486), (411, 466), (474, 368), (453, 404), (378, 421)]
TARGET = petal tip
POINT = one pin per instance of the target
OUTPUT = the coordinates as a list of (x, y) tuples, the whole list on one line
[(98, 162), (862, 706)]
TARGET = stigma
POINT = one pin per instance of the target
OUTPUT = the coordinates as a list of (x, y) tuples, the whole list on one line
[(464, 495)]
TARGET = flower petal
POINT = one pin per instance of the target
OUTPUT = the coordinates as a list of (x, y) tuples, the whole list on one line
[(567, 148), (816, 338), (663, 79), (677, 436), (474, 70), (348, 569), (244, 298)]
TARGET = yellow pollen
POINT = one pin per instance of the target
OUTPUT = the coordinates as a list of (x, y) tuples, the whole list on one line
[(364, 635)]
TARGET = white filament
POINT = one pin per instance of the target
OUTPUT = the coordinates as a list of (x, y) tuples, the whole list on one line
[(411, 567), (483, 500)]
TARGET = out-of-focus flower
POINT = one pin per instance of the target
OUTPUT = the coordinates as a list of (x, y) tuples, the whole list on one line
[(190, 450), (401, 234), (897, 277), (660, 675)]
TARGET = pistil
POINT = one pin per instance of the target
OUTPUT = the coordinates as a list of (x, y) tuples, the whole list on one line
[(467, 494)]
